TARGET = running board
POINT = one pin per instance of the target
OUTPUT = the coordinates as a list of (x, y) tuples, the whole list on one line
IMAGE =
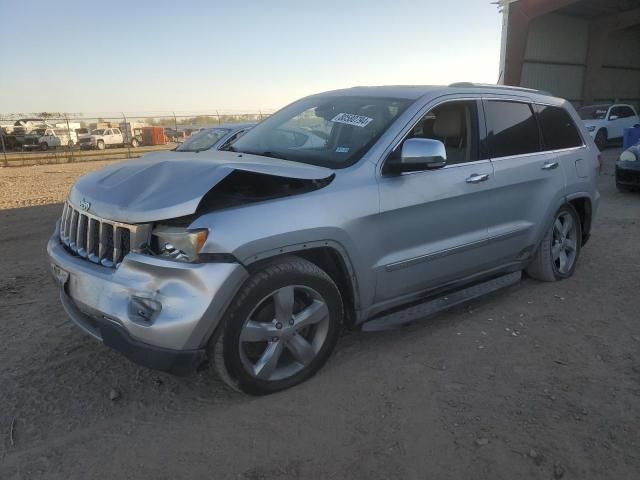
[(439, 304)]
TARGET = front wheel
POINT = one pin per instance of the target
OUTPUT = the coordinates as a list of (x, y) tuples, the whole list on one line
[(100, 145), (44, 146), (558, 252), (280, 329)]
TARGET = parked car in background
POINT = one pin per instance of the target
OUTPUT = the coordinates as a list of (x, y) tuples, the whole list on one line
[(173, 135), (628, 169), (132, 133), (31, 140), (214, 138), (103, 138), (49, 138), (607, 122), (25, 126), (255, 255)]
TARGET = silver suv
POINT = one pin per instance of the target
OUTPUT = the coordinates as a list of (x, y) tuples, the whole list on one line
[(370, 207)]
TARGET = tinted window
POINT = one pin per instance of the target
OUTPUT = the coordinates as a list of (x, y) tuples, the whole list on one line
[(625, 112), (558, 129), (512, 127), (456, 125)]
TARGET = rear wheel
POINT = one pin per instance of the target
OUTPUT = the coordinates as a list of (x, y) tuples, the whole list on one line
[(601, 139), (280, 329), (558, 252)]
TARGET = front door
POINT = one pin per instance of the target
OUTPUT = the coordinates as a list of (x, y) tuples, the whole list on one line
[(432, 227)]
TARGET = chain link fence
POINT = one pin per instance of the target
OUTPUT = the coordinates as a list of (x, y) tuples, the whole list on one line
[(33, 139)]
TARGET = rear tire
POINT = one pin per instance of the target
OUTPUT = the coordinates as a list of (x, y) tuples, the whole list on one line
[(558, 253), (259, 327), (601, 139)]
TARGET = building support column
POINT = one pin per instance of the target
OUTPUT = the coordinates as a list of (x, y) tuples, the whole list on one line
[(598, 36)]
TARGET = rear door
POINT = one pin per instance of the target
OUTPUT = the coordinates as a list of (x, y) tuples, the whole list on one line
[(529, 183), (432, 227)]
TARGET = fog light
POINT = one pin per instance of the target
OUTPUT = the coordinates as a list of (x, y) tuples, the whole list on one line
[(144, 309)]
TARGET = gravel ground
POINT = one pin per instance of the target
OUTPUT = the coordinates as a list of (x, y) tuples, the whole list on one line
[(538, 381)]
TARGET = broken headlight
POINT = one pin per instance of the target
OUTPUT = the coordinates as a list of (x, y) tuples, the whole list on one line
[(177, 243)]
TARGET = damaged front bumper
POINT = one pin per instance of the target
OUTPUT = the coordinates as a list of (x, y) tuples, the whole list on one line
[(158, 313)]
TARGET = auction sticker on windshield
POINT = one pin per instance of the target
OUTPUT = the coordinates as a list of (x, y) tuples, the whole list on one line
[(351, 119)]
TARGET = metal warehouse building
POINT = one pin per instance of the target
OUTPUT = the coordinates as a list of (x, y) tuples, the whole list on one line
[(587, 51)]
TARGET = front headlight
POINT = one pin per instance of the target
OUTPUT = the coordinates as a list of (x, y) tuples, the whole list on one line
[(178, 243), (591, 128), (628, 156)]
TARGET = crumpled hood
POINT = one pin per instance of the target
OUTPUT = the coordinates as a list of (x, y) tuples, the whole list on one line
[(166, 185)]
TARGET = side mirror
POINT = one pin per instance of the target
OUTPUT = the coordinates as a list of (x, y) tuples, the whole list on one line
[(420, 154), (613, 117)]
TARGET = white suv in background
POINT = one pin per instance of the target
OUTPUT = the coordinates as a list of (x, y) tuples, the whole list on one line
[(607, 122), (102, 138)]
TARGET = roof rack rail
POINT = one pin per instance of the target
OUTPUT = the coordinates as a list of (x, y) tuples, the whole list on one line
[(505, 87)]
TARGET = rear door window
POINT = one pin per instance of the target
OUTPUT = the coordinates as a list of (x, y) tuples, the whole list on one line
[(512, 128), (558, 129)]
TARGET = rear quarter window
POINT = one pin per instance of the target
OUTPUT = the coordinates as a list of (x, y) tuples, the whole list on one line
[(558, 128), (512, 128)]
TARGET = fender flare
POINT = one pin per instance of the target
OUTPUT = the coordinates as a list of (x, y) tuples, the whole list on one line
[(301, 247)]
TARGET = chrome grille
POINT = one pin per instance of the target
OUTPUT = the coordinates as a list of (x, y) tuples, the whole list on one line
[(100, 241)]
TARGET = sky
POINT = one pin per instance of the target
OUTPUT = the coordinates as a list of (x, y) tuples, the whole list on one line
[(232, 56)]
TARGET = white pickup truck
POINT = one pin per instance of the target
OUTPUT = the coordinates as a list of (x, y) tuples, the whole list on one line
[(103, 138), (607, 122), (49, 138)]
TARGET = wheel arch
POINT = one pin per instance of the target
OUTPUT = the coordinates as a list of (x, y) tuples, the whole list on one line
[(328, 255), (584, 207)]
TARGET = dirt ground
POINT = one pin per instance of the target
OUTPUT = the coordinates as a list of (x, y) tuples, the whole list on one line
[(540, 381)]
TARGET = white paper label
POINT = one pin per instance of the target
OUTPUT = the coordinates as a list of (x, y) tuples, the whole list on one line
[(351, 119)]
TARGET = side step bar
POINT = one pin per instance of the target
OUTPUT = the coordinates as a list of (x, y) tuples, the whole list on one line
[(439, 304)]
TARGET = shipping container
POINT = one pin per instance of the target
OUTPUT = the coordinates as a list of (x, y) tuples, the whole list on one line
[(153, 136)]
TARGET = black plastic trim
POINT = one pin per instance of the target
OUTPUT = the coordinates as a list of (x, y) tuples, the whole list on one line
[(177, 362)]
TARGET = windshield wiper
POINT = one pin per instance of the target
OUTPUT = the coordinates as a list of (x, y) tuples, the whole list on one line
[(270, 155)]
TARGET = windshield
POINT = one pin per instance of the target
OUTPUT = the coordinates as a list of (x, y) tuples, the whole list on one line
[(597, 112), (98, 132), (203, 140), (332, 132)]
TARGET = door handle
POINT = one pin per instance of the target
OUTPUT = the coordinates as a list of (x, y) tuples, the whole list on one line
[(475, 178), (550, 166)]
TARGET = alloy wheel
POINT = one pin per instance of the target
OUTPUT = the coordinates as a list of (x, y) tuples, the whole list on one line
[(565, 243), (284, 333)]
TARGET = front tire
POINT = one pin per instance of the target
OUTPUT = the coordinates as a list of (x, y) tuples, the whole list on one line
[(558, 253), (280, 329), (100, 145), (44, 146)]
